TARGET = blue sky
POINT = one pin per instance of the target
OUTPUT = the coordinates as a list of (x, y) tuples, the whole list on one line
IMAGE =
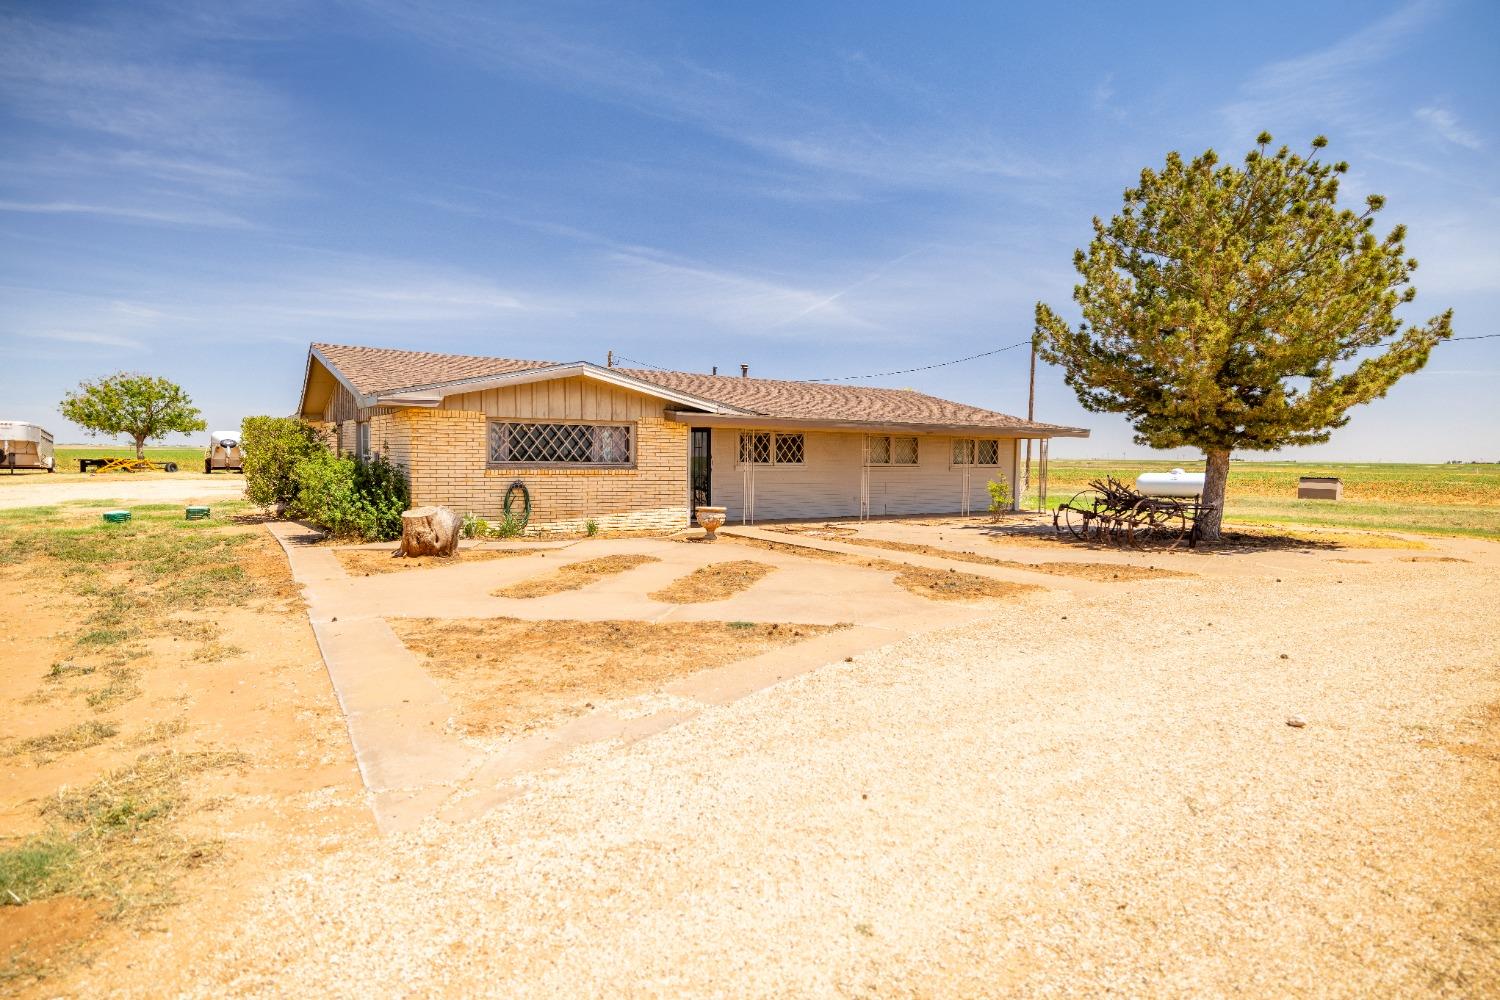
[(199, 190)]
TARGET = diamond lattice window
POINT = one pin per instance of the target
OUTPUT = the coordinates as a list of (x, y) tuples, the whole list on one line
[(789, 449), (559, 444), (971, 451), (886, 449), (766, 448)]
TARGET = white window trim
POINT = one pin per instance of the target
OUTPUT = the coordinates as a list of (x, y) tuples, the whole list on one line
[(772, 464), (999, 454), (891, 451), (635, 434)]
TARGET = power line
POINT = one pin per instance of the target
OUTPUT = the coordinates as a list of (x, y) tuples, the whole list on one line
[(955, 361), (643, 364), (923, 368)]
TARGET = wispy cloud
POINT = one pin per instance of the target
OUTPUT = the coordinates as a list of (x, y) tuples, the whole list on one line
[(945, 153), (1445, 123), (127, 102), (1326, 84), (85, 338), (166, 216)]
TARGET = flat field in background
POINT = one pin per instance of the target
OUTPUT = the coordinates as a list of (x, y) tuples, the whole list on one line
[(68, 456), (1436, 499)]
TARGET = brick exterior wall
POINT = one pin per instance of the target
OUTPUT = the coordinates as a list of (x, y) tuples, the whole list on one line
[(444, 453)]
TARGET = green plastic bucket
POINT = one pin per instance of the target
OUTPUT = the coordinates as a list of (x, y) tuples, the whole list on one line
[(117, 516)]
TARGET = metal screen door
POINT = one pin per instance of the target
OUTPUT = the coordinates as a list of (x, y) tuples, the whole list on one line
[(700, 468)]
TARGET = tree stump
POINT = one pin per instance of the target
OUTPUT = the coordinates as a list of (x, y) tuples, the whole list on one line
[(429, 531)]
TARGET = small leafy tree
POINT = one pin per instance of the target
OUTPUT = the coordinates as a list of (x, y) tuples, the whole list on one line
[(1230, 307), (142, 407), (999, 490), (273, 447)]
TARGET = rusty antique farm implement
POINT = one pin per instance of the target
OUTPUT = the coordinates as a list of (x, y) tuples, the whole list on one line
[(1114, 512)]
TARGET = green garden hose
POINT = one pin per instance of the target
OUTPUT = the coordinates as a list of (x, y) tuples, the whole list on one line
[(525, 502)]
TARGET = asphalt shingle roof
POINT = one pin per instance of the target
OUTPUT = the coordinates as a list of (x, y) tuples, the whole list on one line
[(374, 370)]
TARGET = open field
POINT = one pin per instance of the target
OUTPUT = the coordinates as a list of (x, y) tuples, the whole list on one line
[(1429, 499)]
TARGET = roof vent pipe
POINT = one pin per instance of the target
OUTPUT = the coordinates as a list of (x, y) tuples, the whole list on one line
[(744, 371), (716, 369)]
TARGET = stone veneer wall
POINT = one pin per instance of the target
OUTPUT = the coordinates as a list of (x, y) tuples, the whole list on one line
[(444, 454)]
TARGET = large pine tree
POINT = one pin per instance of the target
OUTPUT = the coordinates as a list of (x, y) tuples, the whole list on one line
[(1234, 308)]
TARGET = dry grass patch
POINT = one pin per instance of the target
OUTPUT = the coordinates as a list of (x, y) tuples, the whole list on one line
[(951, 585), (364, 562), (934, 584), (69, 740), (1085, 570), (714, 582), (115, 840), (573, 576), (509, 676)]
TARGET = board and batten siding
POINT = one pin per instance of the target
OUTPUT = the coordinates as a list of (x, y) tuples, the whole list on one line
[(827, 483)]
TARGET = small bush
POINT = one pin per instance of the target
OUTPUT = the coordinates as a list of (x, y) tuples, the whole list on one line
[(510, 526), (591, 527), (349, 498), (999, 495), (474, 527), (273, 447)]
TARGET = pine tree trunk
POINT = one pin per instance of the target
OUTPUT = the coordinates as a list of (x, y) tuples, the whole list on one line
[(1215, 479)]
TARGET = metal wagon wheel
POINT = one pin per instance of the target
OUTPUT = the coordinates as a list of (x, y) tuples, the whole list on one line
[(1077, 514), (1155, 522)]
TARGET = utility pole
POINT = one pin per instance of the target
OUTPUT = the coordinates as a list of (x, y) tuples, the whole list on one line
[(609, 361), (1030, 415)]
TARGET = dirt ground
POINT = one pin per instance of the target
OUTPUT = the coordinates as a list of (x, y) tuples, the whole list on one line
[(510, 676), (181, 763), (1103, 800), (1272, 775)]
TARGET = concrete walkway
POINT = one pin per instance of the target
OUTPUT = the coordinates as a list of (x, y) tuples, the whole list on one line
[(413, 761)]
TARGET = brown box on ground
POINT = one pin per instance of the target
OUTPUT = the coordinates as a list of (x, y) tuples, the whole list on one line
[(1320, 488)]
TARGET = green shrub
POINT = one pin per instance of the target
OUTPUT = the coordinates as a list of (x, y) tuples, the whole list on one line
[(273, 448), (349, 498), (591, 527), (474, 527), (999, 495)]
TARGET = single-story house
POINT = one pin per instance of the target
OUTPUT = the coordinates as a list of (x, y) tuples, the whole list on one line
[(635, 448)]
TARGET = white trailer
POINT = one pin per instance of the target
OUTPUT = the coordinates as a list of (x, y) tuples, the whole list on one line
[(25, 446), (224, 452)]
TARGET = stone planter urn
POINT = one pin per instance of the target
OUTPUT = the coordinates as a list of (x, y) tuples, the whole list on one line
[(711, 519)]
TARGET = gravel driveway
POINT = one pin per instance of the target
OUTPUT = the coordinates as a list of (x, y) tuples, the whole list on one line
[(1104, 798), (39, 490)]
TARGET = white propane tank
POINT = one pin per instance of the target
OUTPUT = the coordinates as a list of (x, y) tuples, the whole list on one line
[(1176, 483)]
